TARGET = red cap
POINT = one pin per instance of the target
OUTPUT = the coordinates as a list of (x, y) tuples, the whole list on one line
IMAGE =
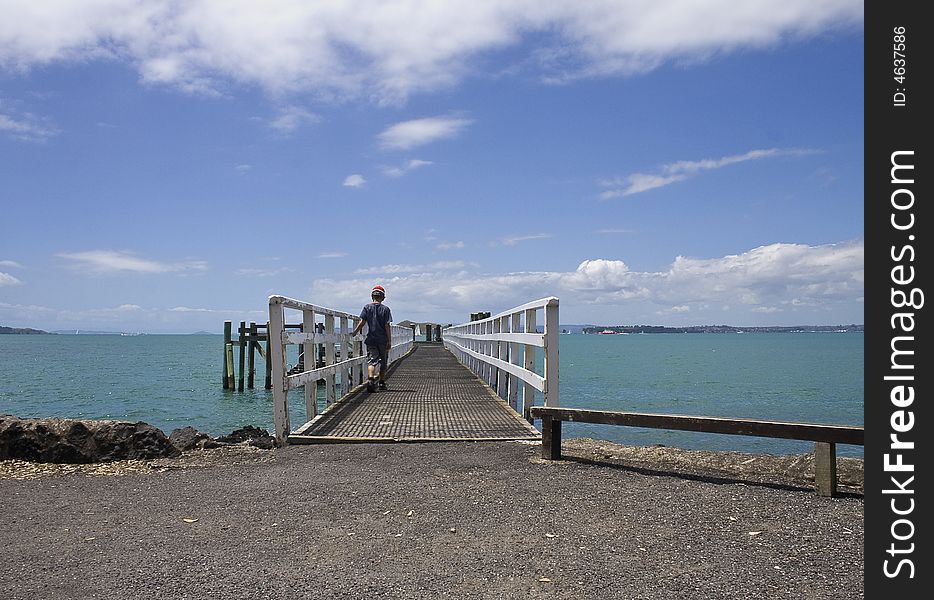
[(378, 290)]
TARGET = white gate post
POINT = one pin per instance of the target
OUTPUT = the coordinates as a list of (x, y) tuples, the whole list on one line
[(280, 394), (551, 353)]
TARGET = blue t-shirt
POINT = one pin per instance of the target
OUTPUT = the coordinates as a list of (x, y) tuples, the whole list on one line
[(376, 316)]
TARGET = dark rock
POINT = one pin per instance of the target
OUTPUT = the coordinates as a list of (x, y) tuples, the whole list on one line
[(250, 435), (189, 438), (81, 441)]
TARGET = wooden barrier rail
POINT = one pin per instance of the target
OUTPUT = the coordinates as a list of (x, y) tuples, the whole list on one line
[(500, 349), (825, 437)]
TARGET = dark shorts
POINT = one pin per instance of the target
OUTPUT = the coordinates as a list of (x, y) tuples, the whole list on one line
[(377, 355)]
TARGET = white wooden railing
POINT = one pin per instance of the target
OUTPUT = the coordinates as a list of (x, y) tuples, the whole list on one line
[(501, 350), (351, 368)]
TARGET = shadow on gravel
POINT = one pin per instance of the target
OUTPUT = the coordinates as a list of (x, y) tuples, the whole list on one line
[(707, 478)]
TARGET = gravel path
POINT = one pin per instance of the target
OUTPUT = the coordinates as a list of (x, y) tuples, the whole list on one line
[(444, 520)]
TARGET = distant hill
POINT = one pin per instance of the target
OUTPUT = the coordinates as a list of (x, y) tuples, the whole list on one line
[(21, 330), (721, 329)]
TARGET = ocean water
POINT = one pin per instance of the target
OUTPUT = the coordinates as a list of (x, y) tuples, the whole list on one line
[(173, 381)]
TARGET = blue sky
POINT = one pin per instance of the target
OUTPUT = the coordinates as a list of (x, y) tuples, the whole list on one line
[(166, 165)]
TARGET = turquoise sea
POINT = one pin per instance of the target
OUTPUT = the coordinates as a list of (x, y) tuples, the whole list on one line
[(172, 381)]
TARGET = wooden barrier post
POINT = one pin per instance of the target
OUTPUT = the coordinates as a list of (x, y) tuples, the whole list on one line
[(241, 341), (224, 375), (251, 342), (551, 438), (825, 468)]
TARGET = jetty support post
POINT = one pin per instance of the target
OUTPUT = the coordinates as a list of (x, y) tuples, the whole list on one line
[(227, 326), (825, 468), (280, 400), (528, 390), (551, 353), (251, 342), (310, 389), (241, 342)]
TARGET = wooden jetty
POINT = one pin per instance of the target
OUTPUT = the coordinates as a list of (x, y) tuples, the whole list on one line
[(488, 379)]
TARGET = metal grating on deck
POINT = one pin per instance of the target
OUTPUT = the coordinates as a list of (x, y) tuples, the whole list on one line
[(431, 397)]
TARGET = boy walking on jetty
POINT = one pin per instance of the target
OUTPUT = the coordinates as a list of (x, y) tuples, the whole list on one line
[(377, 317)]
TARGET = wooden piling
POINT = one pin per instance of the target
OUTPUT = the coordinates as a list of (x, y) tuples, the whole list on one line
[(224, 380), (228, 354), (252, 358), (242, 343)]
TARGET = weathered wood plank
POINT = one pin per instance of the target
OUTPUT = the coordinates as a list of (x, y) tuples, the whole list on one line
[(838, 434)]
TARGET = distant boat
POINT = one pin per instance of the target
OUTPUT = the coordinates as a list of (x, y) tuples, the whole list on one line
[(607, 332)]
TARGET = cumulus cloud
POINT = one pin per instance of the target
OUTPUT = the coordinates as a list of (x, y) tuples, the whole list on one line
[(769, 279), (354, 181), (419, 132), (388, 51), (111, 261), (401, 170), (681, 170)]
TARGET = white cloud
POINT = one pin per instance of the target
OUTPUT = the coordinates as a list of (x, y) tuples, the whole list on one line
[(801, 282), (354, 181), (409, 166), (260, 272), (512, 240), (419, 132), (387, 51), (243, 168), (10, 263), (332, 255), (291, 118), (681, 170), (450, 245), (615, 231), (25, 126), (110, 261), (7, 279), (441, 265)]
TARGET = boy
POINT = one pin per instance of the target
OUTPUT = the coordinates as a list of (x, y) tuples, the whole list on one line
[(377, 317)]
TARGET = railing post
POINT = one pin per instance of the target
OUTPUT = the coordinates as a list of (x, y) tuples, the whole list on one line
[(329, 359), (280, 400), (502, 379), (310, 389), (528, 391), (551, 353), (345, 355), (514, 359)]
